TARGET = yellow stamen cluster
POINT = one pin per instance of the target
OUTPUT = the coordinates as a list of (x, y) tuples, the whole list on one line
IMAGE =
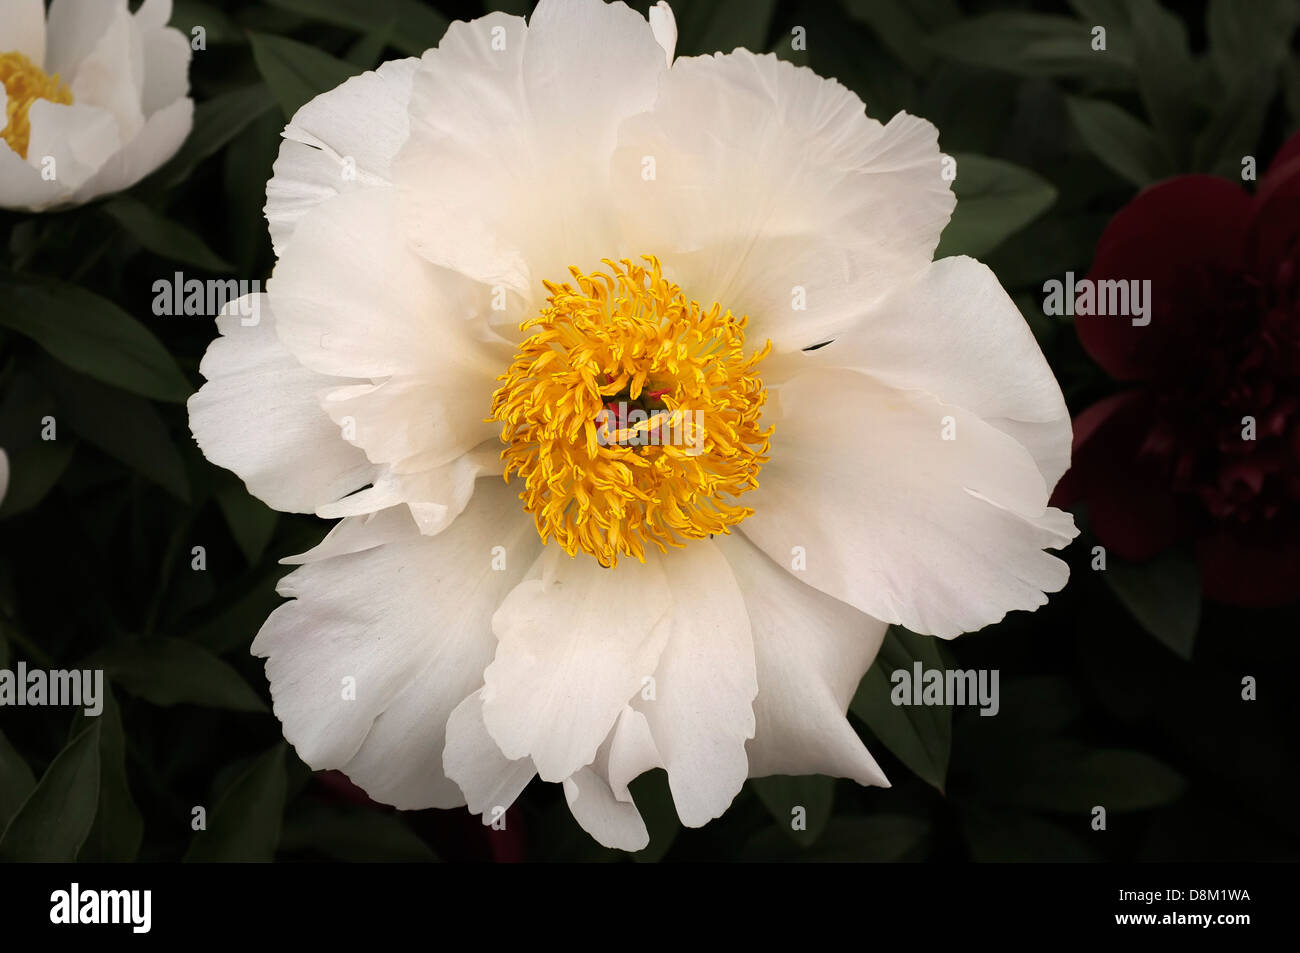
[(24, 83), (594, 480)]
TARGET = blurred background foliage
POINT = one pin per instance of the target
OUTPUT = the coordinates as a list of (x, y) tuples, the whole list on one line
[(1124, 691)]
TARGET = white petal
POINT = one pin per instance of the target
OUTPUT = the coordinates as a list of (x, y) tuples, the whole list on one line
[(618, 64), (598, 796), (22, 29), (166, 68), (489, 782), (259, 414), (153, 14), (111, 75), (702, 711), (364, 120), (157, 142), (356, 534), (613, 823), (664, 25), (632, 752), (943, 536), (79, 138), (812, 650), (4, 474), (21, 185), (353, 300), (774, 195), (468, 139), (956, 334), (574, 646), (432, 418), (409, 622), (73, 28), (433, 497), (511, 134)]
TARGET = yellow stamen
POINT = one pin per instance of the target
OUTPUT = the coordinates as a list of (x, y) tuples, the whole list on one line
[(631, 415), (24, 83)]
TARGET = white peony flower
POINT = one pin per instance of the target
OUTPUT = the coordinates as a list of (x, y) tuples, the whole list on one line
[(519, 252), (95, 98)]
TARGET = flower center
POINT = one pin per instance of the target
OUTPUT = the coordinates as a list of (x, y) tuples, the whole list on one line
[(631, 415), (24, 83)]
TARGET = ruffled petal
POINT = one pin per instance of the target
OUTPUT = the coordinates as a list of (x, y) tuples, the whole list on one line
[(943, 536), (702, 710), (489, 781), (22, 29), (955, 334), (259, 414), (512, 130), (406, 626), (342, 140), (575, 644), (812, 651), (767, 189)]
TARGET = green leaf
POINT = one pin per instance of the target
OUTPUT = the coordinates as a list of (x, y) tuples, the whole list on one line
[(1034, 44), (919, 735), (1123, 144), (173, 672), (1166, 71), (784, 50), (16, 781), (367, 51), (358, 835), (1163, 594), (1071, 779), (33, 472), (358, 15), (217, 27), (164, 237), (244, 827), (995, 199), (419, 27), (92, 335), (241, 617), (1107, 13), (118, 829), (216, 122), (1049, 245), (54, 821), (1234, 129), (246, 167), (848, 51), (124, 426), (712, 26), (782, 795), (1291, 84), (1249, 37), (296, 72), (251, 521), (654, 799), (897, 25), (879, 838), (1001, 837), (1040, 706), (516, 8), (416, 26)]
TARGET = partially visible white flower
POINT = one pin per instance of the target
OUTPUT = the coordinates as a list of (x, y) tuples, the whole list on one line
[(94, 98), (664, 26), (4, 474), (536, 221)]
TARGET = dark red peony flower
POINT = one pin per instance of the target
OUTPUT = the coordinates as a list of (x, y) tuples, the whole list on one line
[(1170, 459)]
